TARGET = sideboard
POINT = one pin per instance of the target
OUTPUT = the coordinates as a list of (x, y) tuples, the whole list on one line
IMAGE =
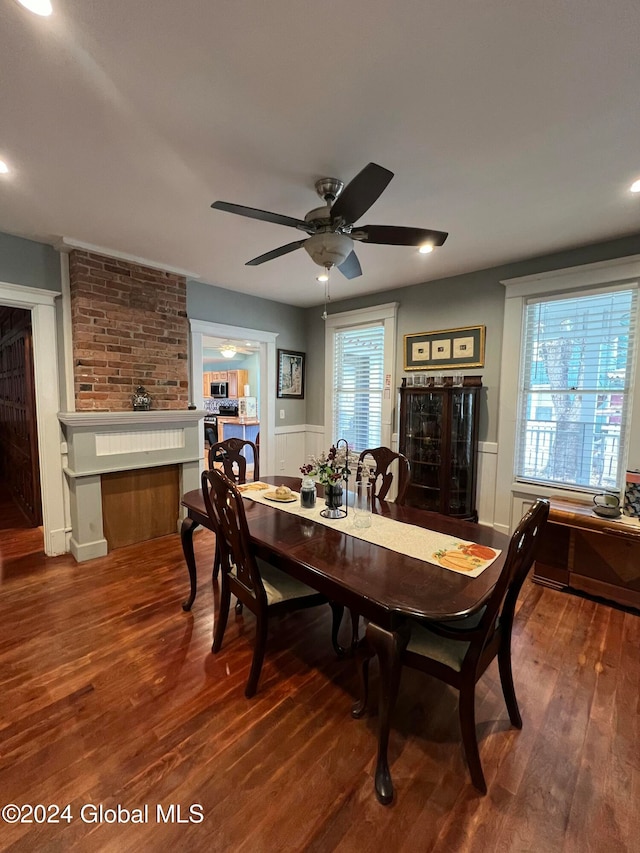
[(581, 551)]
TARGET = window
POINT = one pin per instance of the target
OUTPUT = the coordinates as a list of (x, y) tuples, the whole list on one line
[(358, 380), (575, 388), (360, 349)]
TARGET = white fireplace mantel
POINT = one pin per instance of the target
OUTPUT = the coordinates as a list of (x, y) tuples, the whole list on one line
[(98, 443)]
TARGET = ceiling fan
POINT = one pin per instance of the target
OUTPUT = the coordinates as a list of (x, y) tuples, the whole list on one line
[(331, 228)]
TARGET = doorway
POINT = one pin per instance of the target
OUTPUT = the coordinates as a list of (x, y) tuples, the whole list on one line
[(41, 305), (263, 345), (19, 460)]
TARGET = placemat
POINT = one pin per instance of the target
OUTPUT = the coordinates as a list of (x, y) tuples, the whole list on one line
[(456, 555)]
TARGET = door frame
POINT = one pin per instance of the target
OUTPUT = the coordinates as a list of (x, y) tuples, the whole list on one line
[(41, 304), (267, 340)]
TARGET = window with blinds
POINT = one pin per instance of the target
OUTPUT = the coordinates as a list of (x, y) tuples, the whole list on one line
[(575, 388), (358, 378)]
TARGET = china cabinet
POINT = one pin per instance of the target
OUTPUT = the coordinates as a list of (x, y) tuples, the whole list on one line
[(439, 437)]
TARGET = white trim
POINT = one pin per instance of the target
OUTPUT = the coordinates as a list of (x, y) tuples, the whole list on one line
[(67, 335), (267, 340), (45, 362), (581, 277), (387, 313), (517, 290), (68, 244), (103, 419)]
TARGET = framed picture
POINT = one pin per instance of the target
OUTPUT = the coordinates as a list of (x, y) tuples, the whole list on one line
[(291, 374), (447, 348)]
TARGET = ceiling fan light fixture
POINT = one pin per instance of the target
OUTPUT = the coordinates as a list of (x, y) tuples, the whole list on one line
[(38, 7), (328, 249), (4, 169), (228, 350), (635, 187), (425, 249)]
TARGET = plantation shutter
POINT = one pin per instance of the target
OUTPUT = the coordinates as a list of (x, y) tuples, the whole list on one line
[(575, 388), (358, 385)]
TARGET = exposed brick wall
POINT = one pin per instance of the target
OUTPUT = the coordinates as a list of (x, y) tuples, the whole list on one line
[(130, 328)]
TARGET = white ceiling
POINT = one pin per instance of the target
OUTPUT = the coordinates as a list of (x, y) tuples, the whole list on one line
[(512, 125)]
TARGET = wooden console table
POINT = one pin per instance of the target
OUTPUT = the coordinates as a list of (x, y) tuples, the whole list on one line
[(599, 556)]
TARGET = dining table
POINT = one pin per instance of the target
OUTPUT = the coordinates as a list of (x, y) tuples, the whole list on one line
[(384, 586)]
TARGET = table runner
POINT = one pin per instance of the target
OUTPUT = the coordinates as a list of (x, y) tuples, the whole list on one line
[(456, 555)]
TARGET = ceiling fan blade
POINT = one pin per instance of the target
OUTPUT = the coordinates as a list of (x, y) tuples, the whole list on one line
[(350, 268), (360, 193), (263, 215), (396, 235), (275, 253)]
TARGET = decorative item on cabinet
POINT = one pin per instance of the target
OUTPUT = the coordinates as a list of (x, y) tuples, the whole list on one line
[(439, 437)]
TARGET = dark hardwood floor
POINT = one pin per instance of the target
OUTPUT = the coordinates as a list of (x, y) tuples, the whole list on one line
[(110, 695)]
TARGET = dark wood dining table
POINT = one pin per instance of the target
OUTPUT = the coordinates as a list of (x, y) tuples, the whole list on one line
[(383, 586)]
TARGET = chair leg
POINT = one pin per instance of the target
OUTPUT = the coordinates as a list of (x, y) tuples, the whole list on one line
[(508, 688), (365, 653), (467, 712), (216, 563), (355, 626), (223, 615), (258, 655), (337, 611)]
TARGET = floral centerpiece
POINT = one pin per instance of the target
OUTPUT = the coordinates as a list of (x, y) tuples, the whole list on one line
[(329, 469)]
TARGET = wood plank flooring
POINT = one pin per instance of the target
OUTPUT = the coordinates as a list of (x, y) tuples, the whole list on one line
[(110, 695)]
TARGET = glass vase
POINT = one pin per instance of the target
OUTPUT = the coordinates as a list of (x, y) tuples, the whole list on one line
[(333, 501)]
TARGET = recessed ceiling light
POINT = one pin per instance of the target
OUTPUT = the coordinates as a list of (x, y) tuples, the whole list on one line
[(635, 187), (425, 249), (4, 169), (38, 7)]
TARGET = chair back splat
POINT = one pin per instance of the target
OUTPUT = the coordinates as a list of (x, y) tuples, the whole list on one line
[(231, 454), (380, 476)]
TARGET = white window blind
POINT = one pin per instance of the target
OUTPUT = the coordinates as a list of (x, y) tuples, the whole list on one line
[(575, 388), (358, 385)]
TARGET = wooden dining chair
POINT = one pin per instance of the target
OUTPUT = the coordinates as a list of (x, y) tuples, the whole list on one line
[(262, 587), (375, 464), (231, 454), (459, 652), (380, 476)]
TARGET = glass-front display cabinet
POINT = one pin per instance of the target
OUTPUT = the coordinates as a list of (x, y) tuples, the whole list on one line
[(439, 437)]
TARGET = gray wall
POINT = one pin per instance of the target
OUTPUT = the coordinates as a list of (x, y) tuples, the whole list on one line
[(472, 299), (28, 263), (216, 305)]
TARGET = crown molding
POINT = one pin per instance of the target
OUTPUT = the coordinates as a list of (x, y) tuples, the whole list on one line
[(68, 244)]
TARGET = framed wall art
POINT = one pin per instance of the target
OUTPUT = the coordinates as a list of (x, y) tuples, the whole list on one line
[(445, 349), (291, 374)]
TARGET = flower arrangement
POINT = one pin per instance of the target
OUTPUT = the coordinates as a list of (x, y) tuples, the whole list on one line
[(329, 469)]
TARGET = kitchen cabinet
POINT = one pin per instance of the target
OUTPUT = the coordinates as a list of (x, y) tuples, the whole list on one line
[(237, 379), (439, 437)]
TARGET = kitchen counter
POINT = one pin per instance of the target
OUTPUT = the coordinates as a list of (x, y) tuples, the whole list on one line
[(237, 420), (245, 428)]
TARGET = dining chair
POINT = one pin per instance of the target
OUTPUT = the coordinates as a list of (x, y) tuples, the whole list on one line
[(381, 477), (231, 454), (458, 652), (261, 586)]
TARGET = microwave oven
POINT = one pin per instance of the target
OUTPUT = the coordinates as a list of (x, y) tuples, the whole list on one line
[(219, 389)]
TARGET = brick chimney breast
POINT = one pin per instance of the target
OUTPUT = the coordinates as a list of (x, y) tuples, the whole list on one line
[(129, 327)]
